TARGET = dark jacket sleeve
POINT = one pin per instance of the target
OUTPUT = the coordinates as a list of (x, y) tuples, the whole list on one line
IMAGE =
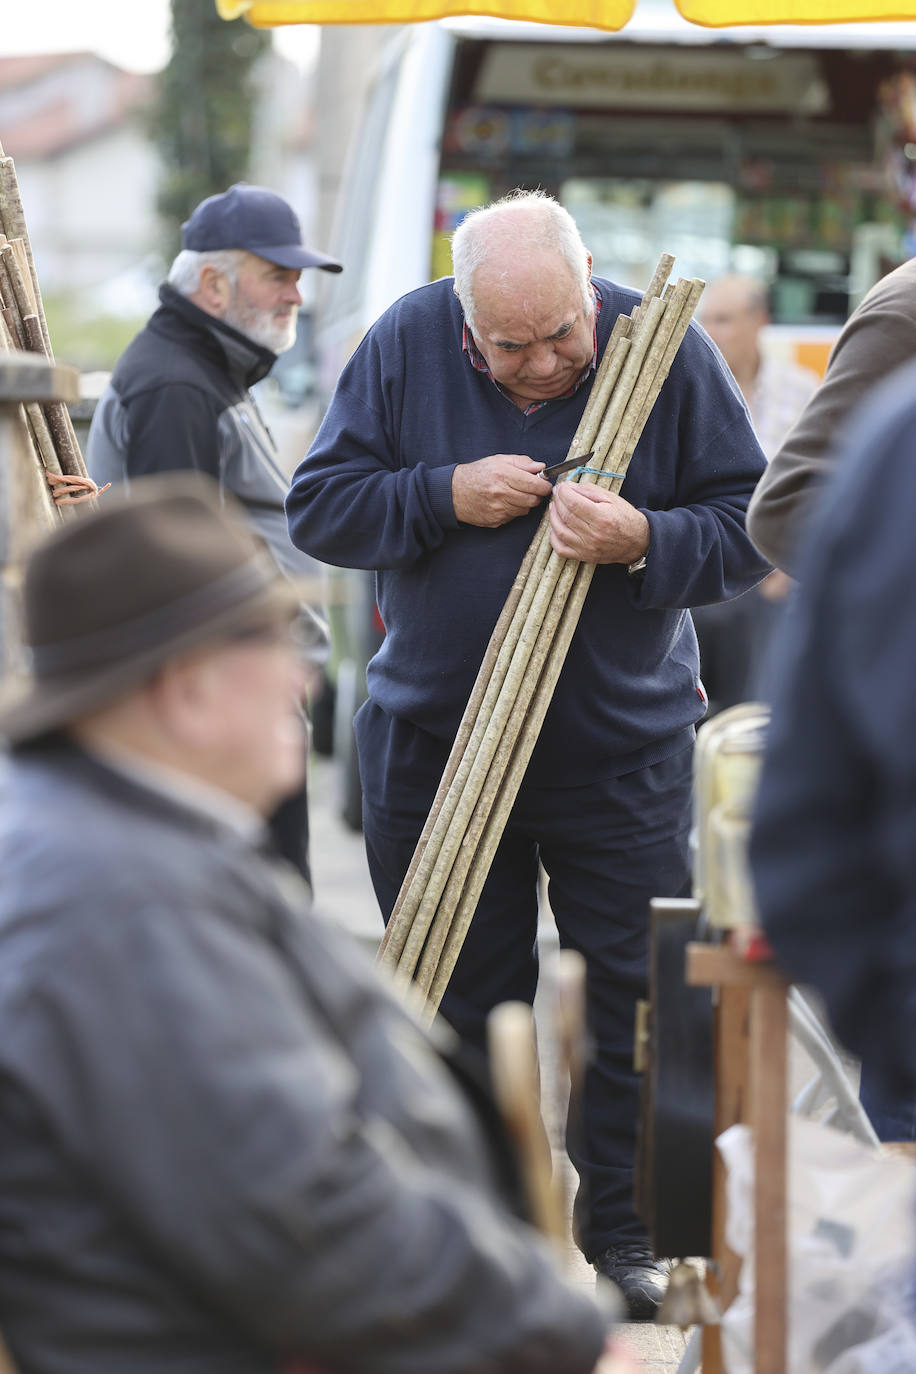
[(878, 337), (222, 1117), (171, 427), (699, 550), (832, 851)]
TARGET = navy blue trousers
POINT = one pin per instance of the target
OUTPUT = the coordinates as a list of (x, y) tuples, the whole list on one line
[(607, 848), (891, 1112)]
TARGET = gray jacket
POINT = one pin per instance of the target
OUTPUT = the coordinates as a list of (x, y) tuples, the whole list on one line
[(179, 397), (223, 1145)]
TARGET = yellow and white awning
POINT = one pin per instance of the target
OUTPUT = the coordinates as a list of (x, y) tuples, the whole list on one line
[(598, 14)]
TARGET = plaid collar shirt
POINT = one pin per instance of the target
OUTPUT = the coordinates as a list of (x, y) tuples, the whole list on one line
[(478, 361)]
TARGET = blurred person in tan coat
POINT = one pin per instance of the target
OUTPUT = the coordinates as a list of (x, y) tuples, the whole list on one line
[(878, 339), (879, 336)]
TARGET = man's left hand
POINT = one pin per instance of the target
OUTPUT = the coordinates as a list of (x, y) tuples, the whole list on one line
[(596, 526)]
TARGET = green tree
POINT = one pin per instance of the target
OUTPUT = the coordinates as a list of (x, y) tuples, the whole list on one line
[(201, 114)]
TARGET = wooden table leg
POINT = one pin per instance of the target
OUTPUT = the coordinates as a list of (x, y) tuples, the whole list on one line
[(768, 1075), (731, 1031), (751, 1082)]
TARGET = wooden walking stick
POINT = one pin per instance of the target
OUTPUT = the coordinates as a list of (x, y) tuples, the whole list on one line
[(26, 302), (506, 721), (512, 1042), (51, 427), (495, 665), (12, 222), (6, 1360), (495, 813), (513, 1064), (406, 932)]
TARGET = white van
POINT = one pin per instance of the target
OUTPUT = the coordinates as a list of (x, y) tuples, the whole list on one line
[(756, 149)]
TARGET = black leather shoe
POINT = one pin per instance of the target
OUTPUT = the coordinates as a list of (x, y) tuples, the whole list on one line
[(641, 1278)]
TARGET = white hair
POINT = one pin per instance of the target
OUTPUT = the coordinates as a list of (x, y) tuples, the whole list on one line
[(184, 273), (548, 224)]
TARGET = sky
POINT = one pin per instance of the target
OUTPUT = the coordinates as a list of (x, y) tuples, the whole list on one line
[(131, 33)]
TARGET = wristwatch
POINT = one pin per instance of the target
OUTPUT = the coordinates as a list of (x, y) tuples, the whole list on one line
[(637, 567)]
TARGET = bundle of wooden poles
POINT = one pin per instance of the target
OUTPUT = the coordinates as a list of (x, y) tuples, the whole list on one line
[(524, 658), (23, 327)]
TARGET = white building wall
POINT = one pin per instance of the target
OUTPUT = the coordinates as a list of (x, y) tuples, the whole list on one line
[(91, 207), (91, 211)]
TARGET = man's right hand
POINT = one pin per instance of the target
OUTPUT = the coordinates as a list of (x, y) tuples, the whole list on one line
[(495, 490)]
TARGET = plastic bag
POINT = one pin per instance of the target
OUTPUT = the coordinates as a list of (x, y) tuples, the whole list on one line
[(851, 1244)]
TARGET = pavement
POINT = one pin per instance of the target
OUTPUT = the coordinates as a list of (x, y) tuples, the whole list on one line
[(344, 895)]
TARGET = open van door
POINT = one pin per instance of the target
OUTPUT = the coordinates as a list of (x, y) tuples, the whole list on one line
[(386, 207)]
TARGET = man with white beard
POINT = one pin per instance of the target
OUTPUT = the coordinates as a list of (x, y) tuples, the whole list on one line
[(179, 396)]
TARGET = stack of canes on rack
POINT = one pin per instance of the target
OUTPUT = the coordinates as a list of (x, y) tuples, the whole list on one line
[(524, 658), (38, 446), (23, 329)]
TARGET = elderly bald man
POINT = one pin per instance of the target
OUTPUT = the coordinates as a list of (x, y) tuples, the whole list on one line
[(427, 468)]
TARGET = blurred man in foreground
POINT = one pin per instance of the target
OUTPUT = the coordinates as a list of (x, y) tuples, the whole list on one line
[(879, 337), (223, 1146), (180, 396), (832, 848)]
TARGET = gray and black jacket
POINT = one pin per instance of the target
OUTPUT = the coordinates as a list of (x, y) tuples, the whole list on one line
[(224, 1147), (179, 398)]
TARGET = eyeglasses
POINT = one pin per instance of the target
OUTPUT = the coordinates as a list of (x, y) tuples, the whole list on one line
[(288, 632)]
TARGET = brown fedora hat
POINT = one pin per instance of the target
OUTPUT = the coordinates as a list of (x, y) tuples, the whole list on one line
[(110, 596)]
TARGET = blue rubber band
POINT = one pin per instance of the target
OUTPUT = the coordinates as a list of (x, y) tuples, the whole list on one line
[(597, 472)]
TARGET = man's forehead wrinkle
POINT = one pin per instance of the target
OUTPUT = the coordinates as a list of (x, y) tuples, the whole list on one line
[(511, 258), (534, 334), (521, 318), (507, 300)]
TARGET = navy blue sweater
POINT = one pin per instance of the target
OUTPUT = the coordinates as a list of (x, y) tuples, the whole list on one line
[(374, 491), (833, 849)]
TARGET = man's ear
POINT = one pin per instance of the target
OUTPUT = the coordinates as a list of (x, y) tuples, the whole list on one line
[(180, 693), (214, 292)]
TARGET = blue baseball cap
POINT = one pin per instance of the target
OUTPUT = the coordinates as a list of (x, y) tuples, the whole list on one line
[(254, 219)]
